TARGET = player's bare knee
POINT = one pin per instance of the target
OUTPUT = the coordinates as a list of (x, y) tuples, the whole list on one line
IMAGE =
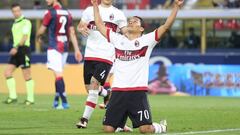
[(146, 129), (108, 129), (7, 74), (27, 74), (87, 87), (94, 84), (27, 77)]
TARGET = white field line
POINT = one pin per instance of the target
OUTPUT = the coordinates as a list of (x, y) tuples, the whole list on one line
[(206, 132)]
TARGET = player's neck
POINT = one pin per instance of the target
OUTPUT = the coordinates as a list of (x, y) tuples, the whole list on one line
[(105, 6), (132, 36), (56, 3)]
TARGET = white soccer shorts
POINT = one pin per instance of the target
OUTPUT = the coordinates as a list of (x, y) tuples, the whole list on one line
[(56, 60)]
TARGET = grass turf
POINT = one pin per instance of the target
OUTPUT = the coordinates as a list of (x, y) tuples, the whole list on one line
[(184, 114)]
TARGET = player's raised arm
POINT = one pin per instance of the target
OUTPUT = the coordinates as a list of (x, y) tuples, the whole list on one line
[(98, 20), (163, 28)]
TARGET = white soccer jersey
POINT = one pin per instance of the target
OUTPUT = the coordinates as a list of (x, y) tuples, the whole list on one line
[(97, 47), (131, 60)]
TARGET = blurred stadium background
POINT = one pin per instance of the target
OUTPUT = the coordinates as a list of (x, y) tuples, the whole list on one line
[(199, 56)]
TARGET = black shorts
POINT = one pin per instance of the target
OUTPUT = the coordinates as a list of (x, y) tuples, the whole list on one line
[(22, 58), (132, 104), (96, 69)]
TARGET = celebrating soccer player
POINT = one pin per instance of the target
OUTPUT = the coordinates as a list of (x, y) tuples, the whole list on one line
[(99, 54), (132, 52)]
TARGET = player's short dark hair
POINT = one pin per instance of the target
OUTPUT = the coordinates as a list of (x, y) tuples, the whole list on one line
[(15, 5), (141, 21)]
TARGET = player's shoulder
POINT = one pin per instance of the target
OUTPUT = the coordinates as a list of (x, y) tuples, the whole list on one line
[(148, 35), (27, 21), (116, 9), (118, 35), (88, 9), (48, 11)]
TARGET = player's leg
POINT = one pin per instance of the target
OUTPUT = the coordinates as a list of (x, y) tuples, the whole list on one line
[(90, 103), (160, 127), (140, 115), (63, 94), (60, 91), (88, 70), (29, 86), (55, 63), (26, 69), (98, 72), (11, 84), (116, 114), (105, 91), (108, 129)]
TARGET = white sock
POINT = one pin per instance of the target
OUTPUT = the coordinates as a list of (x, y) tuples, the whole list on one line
[(157, 127), (90, 103), (103, 92)]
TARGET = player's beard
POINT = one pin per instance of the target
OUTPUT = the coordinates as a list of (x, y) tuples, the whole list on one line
[(51, 5)]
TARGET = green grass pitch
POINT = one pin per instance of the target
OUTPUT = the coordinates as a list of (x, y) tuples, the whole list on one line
[(185, 115)]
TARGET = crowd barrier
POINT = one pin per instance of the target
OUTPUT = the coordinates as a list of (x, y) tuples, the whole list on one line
[(194, 74)]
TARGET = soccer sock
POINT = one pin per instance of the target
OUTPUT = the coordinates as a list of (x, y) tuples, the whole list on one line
[(104, 89), (106, 85), (11, 87), (103, 92), (90, 103), (158, 128), (30, 90), (60, 89)]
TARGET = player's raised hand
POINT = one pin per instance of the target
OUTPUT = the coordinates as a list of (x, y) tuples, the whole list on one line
[(179, 3), (78, 56), (94, 2)]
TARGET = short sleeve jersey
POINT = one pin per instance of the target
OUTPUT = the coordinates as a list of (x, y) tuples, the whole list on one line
[(58, 22), (20, 27), (97, 48), (131, 60)]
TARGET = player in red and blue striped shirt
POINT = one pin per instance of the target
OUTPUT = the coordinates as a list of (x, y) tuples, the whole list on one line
[(58, 21)]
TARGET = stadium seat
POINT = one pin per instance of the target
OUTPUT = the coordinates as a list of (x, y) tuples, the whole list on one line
[(232, 24), (218, 24)]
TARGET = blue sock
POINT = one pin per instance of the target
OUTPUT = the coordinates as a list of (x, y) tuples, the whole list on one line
[(60, 88), (56, 99)]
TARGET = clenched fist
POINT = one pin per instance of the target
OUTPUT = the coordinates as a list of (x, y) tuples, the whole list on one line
[(94, 2), (179, 2)]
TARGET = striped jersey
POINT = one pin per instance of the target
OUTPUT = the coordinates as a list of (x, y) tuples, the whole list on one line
[(131, 60), (97, 48), (58, 22)]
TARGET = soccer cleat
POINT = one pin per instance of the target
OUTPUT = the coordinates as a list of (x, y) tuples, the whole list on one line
[(163, 124), (65, 105), (55, 104), (59, 107), (125, 129), (26, 102), (82, 123), (10, 101)]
